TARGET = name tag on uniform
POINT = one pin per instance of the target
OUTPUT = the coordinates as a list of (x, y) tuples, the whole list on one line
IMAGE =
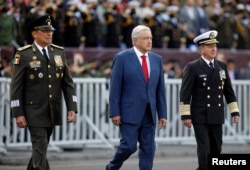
[(202, 75)]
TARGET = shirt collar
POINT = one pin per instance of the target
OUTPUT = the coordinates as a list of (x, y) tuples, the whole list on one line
[(40, 47), (138, 53), (207, 61)]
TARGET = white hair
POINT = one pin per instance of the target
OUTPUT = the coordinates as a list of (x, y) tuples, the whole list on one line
[(136, 31)]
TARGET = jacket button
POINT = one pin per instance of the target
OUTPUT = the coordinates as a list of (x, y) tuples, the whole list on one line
[(208, 96), (50, 96), (208, 105), (219, 105)]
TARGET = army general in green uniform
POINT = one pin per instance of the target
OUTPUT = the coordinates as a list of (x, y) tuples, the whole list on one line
[(40, 75)]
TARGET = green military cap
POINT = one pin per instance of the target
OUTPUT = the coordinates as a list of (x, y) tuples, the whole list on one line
[(42, 23)]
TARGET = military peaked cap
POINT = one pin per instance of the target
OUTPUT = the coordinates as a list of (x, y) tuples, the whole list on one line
[(42, 23), (207, 38)]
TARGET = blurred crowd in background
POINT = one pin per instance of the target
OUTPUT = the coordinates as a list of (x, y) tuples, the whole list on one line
[(108, 23)]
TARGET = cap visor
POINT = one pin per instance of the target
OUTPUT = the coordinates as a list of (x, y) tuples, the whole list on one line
[(209, 42), (46, 28)]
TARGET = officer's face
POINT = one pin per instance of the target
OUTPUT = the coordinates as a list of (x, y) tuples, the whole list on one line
[(144, 41), (43, 37), (209, 51)]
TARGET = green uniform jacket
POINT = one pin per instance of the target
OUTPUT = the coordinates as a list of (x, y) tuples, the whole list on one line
[(37, 86)]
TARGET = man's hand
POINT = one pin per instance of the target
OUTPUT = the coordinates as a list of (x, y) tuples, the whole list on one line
[(162, 123), (187, 123), (116, 120), (21, 122), (235, 119), (71, 117)]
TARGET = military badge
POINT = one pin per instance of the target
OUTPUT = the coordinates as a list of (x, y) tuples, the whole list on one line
[(58, 60), (16, 59), (35, 64), (57, 75), (222, 74)]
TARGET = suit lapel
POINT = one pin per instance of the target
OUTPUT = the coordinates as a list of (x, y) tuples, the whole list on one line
[(211, 75), (215, 74), (152, 63), (207, 70), (204, 66), (136, 63)]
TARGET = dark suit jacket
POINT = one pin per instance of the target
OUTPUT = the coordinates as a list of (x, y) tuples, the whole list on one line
[(129, 91), (36, 86), (202, 91)]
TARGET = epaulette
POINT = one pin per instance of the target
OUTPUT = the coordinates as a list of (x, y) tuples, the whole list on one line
[(24, 47), (56, 46)]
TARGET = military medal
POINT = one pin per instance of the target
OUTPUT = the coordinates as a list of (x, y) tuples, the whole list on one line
[(57, 75), (40, 75)]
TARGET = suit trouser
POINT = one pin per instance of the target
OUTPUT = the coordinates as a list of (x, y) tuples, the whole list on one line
[(40, 139), (209, 141), (144, 133)]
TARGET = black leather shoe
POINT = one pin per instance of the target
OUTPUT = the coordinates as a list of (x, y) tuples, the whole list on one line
[(107, 167)]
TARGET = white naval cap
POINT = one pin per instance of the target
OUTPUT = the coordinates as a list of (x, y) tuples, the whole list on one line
[(207, 38), (91, 1), (172, 8), (158, 5), (134, 3)]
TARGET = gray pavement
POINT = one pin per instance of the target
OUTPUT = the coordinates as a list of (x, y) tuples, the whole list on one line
[(175, 157)]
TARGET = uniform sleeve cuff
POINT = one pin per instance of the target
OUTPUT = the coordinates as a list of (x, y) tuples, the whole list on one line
[(235, 114), (184, 117)]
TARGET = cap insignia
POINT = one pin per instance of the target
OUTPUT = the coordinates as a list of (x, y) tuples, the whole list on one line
[(211, 35), (48, 20)]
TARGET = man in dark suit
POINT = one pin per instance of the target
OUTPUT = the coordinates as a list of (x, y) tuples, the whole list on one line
[(205, 82), (37, 83), (137, 99)]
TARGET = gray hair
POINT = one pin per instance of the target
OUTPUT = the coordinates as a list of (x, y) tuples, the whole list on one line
[(136, 31)]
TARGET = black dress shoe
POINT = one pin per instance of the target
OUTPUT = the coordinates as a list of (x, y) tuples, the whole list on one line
[(107, 167)]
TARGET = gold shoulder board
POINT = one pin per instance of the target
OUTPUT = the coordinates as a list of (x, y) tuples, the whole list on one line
[(56, 46), (24, 47)]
